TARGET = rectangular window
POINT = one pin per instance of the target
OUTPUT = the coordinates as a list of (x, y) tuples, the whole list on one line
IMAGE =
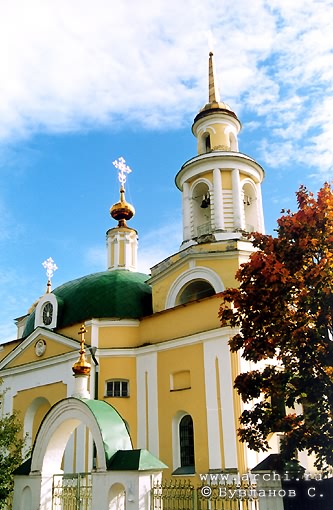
[(117, 388)]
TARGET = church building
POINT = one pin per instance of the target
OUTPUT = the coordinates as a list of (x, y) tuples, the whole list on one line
[(156, 350)]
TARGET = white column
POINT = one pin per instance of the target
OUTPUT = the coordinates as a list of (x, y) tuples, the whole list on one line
[(218, 199), (260, 212), (236, 199), (186, 212)]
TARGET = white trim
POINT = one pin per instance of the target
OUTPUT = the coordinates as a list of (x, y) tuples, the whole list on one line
[(147, 403), (219, 348), (224, 160), (197, 273), (107, 323), (236, 198), (176, 419), (55, 431), (47, 298), (169, 265), (218, 199), (47, 334)]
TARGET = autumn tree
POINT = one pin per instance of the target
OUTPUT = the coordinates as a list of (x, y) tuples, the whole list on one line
[(11, 444), (283, 312)]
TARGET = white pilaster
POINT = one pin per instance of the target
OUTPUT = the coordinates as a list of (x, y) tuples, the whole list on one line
[(186, 212), (220, 414), (261, 223), (122, 246), (218, 199), (147, 399), (236, 199)]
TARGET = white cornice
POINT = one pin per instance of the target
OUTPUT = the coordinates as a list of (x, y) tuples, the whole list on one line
[(102, 323), (167, 266), (197, 338), (219, 159), (40, 363)]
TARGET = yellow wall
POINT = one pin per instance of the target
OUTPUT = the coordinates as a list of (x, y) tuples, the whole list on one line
[(48, 394), (28, 355), (73, 332), (7, 348), (121, 368), (118, 336), (226, 179), (183, 320), (191, 401)]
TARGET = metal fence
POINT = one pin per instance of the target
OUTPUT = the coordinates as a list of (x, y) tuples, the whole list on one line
[(181, 494), (72, 492)]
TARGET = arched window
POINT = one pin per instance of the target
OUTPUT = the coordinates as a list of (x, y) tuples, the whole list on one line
[(207, 142), (250, 205), (198, 289), (186, 440), (201, 210)]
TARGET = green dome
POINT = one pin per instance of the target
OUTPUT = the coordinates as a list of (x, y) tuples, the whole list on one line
[(110, 294)]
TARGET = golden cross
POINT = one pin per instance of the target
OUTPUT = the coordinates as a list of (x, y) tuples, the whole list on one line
[(82, 341)]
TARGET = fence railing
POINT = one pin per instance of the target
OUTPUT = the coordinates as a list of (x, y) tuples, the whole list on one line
[(180, 494)]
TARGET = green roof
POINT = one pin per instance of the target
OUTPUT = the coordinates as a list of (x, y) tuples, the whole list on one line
[(109, 294), (135, 460), (113, 429)]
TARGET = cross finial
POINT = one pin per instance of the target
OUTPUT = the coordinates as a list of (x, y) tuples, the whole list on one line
[(82, 341), (124, 169), (50, 267)]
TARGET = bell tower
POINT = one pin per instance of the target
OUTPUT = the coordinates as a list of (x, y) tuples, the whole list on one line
[(221, 187)]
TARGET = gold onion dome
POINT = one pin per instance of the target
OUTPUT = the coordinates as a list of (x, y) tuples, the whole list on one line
[(122, 211), (82, 366)]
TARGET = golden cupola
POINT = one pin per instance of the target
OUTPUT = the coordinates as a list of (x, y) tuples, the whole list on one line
[(122, 241), (122, 211), (82, 366)]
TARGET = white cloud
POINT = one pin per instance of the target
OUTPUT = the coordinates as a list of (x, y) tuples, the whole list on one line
[(68, 65)]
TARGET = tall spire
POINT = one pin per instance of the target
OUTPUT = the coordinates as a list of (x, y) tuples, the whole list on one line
[(214, 95)]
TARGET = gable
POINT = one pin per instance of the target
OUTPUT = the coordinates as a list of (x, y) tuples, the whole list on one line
[(38, 347)]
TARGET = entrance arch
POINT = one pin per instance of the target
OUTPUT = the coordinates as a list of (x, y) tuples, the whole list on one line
[(122, 478), (107, 428)]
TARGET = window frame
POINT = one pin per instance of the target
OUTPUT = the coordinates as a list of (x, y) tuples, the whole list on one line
[(123, 383)]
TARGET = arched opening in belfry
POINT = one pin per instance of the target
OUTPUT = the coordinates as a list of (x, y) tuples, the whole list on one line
[(205, 144), (201, 210), (250, 207), (208, 146)]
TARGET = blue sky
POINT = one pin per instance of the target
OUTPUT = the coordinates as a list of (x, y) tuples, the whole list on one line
[(82, 83)]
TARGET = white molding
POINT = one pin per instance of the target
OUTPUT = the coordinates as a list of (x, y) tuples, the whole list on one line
[(176, 419), (219, 348), (49, 335), (243, 248), (56, 428), (147, 402), (47, 298), (197, 273), (221, 159), (107, 323)]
